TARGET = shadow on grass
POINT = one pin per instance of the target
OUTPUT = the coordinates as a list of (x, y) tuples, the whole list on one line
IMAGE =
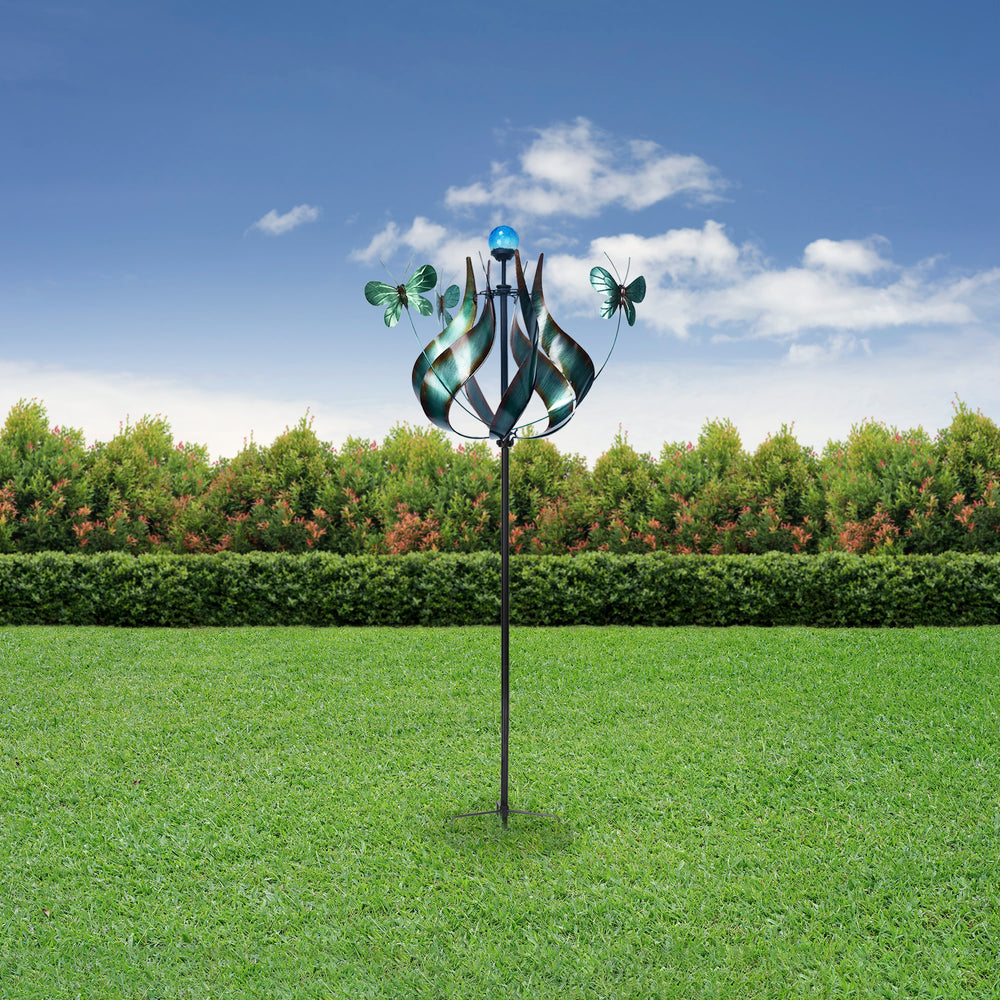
[(524, 836)]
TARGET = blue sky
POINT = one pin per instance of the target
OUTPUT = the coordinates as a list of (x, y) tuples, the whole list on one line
[(194, 194)]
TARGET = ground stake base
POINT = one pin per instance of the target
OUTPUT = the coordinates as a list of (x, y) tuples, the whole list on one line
[(498, 811)]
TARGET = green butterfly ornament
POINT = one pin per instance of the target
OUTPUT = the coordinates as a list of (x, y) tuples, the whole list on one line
[(447, 301), (618, 294), (398, 297)]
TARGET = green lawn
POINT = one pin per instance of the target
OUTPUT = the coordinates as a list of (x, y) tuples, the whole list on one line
[(265, 813)]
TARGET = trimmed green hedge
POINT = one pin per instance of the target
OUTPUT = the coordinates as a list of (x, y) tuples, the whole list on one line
[(836, 589)]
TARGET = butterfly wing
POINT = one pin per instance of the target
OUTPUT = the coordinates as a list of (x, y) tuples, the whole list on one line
[(378, 293), (603, 282), (448, 301), (424, 306), (394, 310), (629, 311), (636, 290), (422, 280)]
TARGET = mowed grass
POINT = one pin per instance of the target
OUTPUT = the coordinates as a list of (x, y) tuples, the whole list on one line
[(267, 813)]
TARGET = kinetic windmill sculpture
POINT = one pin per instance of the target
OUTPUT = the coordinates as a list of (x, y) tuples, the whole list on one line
[(548, 363)]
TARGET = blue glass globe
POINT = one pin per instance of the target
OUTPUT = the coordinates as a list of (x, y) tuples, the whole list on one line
[(503, 238)]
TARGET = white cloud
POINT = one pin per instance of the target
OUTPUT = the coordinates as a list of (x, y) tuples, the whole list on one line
[(383, 244), (432, 243), (786, 303), (848, 256), (911, 383), (838, 346), (676, 259), (701, 278), (423, 236), (575, 169), (276, 225), (98, 403)]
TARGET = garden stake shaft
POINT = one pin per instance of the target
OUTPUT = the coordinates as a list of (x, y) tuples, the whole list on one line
[(504, 290)]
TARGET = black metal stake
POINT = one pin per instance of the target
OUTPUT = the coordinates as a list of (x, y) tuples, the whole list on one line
[(503, 806), (504, 626), (503, 290)]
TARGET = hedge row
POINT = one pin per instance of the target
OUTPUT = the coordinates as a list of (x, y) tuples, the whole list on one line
[(324, 589)]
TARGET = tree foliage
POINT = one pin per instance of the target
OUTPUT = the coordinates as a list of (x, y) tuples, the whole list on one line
[(881, 490)]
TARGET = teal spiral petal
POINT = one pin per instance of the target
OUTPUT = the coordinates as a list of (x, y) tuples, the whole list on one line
[(548, 362)]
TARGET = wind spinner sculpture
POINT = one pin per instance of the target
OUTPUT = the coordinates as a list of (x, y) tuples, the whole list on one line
[(548, 363)]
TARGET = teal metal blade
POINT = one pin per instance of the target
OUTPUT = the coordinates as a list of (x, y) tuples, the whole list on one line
[(560, 348), (478, 401), (547, 360), (454, 367), (452, 358), (515, 400), (458, 327), (551, 385)]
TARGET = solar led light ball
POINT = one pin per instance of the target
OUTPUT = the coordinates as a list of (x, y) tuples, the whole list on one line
[(503, 242)]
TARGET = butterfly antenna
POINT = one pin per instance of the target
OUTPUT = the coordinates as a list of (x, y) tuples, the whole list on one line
[(628, 267), (613, 268), (387, 271), (485, 265), (529, 267)]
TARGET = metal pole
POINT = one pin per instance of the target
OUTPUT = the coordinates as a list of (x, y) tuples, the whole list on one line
[(504, 625), (503, 290)]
